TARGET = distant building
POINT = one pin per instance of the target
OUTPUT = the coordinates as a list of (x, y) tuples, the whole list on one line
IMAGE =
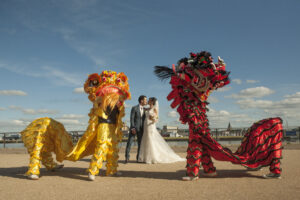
[(159, 130), (173, 129), (184, 132), (124, 127), (125, 130), (170, 131), (229, 127)]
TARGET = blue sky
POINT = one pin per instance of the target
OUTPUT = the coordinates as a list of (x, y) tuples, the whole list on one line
[(49, 47)]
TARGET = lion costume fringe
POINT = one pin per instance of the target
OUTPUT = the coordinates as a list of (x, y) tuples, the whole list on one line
[(192, 80)]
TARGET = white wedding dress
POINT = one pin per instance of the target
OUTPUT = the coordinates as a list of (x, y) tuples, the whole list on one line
[(154, 149)]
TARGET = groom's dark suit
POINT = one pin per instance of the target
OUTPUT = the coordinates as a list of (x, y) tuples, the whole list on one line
[(137, 123)]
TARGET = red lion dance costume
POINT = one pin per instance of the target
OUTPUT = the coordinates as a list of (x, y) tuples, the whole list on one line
[(192, 80)]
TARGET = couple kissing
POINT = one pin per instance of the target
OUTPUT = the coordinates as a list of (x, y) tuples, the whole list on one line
[(152, 148)]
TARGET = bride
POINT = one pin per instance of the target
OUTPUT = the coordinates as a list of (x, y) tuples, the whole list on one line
[(154, 149)]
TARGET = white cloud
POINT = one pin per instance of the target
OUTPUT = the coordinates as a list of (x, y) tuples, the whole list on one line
[(296, 95), (127, 105), (250, 103), (212, 113), (29, 111), (224, 89), (252, 81), (1, 109), (15, 107), (69, 121), (78, 90), (39, 111), (224, 113), (18, 122), (252, 93), (12, 93), (288, 108), (212, 99), (13, 123), (173, 114), (38, 70), (237, 81), (72, 116), (61, 76), (93, 18), (221, 118)]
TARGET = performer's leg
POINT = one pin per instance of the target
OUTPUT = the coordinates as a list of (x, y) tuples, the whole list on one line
[(207, 164), (112, 159), (197, 152), (194, 153), (48, 161), (275, 167), (128, 146), (105, 134), (275, 164), (35, 159), (98, 157)]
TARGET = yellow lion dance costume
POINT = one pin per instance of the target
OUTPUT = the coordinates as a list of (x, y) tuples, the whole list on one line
[(107, 91)]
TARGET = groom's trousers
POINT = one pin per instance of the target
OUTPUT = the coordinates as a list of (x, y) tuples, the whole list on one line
[(130, 141)]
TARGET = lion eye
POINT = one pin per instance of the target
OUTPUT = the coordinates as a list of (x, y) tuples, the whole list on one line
[(94, 83)]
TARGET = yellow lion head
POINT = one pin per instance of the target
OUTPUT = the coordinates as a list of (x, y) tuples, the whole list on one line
[(108, 85)]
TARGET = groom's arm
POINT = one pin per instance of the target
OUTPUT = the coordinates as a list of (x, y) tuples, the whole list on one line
[(132, 124)]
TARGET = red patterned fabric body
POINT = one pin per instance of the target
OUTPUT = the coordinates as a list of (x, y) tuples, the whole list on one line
[(260, 147)]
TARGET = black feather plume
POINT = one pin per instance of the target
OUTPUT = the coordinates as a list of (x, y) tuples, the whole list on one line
[(163, 72)]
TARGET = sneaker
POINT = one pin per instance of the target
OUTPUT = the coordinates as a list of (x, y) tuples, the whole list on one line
[(91, 177), (33, 177), (253, 169), (272, 175), (189, 178), (212, 174), (57, 167), (116, 174)]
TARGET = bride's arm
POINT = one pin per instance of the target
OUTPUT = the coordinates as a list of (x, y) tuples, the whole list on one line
[(156, 113), (154, 117)]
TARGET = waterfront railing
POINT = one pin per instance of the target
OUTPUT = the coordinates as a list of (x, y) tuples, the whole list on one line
[(220, 134)]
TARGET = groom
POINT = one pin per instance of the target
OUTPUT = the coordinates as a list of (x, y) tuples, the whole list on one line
[(137, 117)]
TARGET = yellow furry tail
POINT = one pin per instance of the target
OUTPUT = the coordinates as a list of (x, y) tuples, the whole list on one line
[(42, 137)]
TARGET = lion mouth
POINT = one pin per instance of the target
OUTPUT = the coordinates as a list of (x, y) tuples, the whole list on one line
[(109, 90)]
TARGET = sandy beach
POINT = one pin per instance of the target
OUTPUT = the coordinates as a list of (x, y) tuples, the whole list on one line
[(144, 181)]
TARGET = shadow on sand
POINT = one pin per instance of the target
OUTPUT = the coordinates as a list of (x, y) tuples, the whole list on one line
[(179, 174), (68, 172), (81, 174)]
